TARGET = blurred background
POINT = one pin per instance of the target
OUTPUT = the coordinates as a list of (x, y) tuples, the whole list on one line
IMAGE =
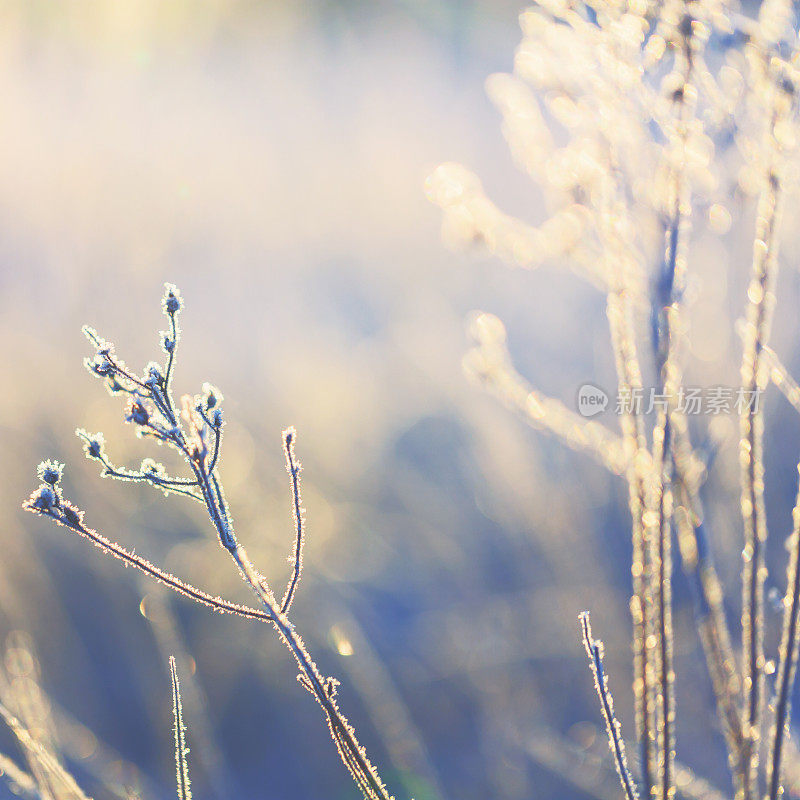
[(269, 159)]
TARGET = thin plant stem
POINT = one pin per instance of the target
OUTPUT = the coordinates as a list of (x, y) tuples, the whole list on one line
[(667, 320), (712, 627), (752, 471), (594, 650), (787, 663), (74, 521), (181, 750), (293, 467), (50, 765)]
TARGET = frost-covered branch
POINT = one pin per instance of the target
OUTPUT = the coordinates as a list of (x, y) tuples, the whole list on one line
[(594, 650), (194, 428)]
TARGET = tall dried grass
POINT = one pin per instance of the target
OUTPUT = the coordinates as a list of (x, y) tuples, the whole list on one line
[(617, 110)]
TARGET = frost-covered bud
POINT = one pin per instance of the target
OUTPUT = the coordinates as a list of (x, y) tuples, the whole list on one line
[(100, 365), (50, 472), (211, 398), (137, 413), (44, 498), (153, 377), (93, 443), (216, 418), (172, 302), (72, 516), (167, 342), (151, 467)]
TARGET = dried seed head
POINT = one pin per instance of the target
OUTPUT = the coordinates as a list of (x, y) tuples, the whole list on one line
[(172, 302), (43, 499), (211, 397), (50, 472), (93, 443), (153, 375), (150, 466), (167, 342), (100, 365), (137, 413), (72, 515)]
